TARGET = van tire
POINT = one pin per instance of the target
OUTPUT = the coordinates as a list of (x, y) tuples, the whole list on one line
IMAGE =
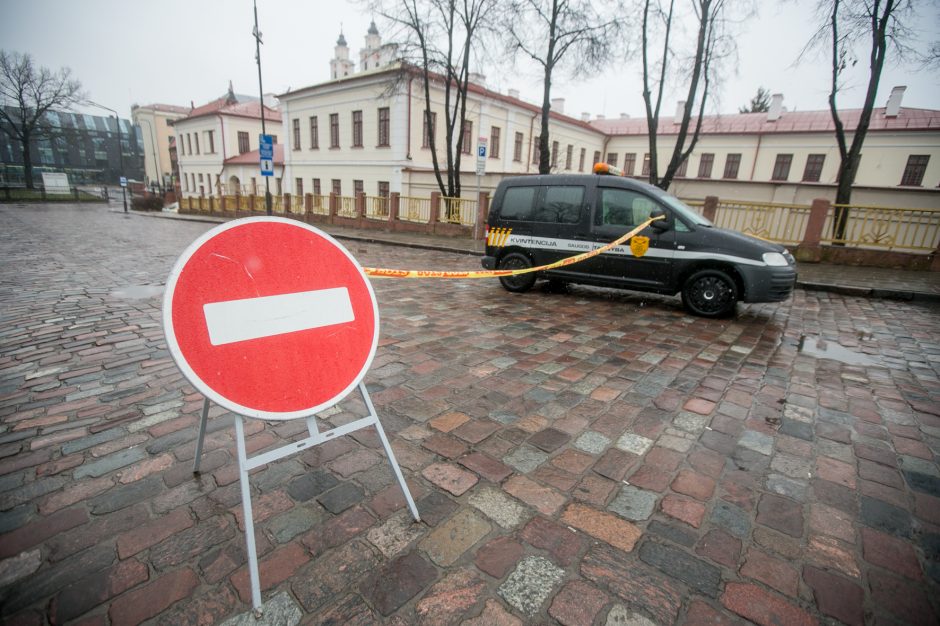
[(516, 261), (710, 293)]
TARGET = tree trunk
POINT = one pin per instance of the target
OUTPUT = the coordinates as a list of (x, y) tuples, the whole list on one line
[(28, 162)]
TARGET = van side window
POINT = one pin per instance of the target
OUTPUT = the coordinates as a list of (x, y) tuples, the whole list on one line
[(517, 203), (561, 205), (621, 207)]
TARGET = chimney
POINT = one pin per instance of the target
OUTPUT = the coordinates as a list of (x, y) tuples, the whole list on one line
[(776, 107), (624, 116), (601, 116), (585, 116), (894, 101), (513, 93), (558, 105), (478, 79), (680, 111)]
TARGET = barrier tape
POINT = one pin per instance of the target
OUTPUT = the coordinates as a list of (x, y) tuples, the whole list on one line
[(393, 273)]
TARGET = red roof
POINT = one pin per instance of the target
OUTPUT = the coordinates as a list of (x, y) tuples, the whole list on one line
[(168, 108), (254, 157), (224, 106), (789, 122)]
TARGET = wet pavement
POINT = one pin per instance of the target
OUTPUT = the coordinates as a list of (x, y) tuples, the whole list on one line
[(587, 457)]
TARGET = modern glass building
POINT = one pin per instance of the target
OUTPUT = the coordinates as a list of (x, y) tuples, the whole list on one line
[(81, 145)]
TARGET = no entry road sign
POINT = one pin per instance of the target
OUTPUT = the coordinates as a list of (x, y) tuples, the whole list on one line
[(270, 318)]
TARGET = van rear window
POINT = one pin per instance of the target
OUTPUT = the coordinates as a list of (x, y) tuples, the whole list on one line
[(517, 203)]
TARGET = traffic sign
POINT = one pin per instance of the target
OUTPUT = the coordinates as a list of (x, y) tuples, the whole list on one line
[(481, 156), (267, 167), (266, 146), (270, 318), (123, 181)]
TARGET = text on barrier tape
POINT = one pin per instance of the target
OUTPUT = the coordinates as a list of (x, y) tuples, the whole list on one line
[(392, 273)]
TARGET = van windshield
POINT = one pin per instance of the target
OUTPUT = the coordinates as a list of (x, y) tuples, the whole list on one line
[(680, 207)]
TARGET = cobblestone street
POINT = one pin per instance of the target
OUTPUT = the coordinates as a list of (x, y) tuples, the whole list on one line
[(588, 457)]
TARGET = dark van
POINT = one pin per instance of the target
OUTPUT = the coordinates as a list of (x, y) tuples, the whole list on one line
[(536, 220)]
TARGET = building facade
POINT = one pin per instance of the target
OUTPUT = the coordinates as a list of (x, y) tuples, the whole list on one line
[(91, 149), (215, 132), (153, 122)]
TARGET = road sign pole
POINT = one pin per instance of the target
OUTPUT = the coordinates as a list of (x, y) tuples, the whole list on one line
[(202, 436)]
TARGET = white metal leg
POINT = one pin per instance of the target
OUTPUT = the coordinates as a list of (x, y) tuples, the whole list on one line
[(249, 519), (202, 435)]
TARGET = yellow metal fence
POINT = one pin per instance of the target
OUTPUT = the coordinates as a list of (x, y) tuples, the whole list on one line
[(377, 207), (781, 223), (412, 209), (906, 230), (458, 211)]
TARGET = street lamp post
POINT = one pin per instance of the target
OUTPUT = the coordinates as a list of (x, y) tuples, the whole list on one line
[(117, 119), (153, 146)]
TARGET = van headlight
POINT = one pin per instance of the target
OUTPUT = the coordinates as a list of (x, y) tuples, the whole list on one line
[(775, 259)]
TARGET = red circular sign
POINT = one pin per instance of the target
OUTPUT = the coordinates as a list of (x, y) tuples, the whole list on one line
[(270, 318)]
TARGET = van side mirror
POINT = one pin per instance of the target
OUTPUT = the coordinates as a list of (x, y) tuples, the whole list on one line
[(661, 224)]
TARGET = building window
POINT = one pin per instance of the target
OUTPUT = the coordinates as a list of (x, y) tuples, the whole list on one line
[(646, 165), (383, 127), (189, 143), (314, 134), (358, 187), (581, 160), (554, 154), (211, 138), (705, 165), (915, 169), (185, 183), (536, 149), (334, 130), (243, 142), (597, 157), (467, 147), (813, 170), (629, 163), (494, 142), (197, 142), (568, 155), (357, 129), (278, 188), (683, 168), (254, 185), (337, 187), (296, 128), (383, 188), (517, 147), (273, 139), (612, 158), (430, 129), (782, 167), (316, 186), (299, 184), (732, 165)]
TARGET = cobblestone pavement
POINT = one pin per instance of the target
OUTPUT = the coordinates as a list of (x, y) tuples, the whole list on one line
[(589, 457)]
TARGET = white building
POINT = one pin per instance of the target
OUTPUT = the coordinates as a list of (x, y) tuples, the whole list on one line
[(215, 132)]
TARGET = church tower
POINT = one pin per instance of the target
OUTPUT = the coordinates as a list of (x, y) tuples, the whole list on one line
[(370, 55), (340, 65)]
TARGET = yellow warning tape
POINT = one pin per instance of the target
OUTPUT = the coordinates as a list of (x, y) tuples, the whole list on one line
[(392, 273)]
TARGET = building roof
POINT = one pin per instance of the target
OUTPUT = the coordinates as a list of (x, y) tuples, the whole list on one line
[(254, 157), (789, 122), (166, 108), (229, 105)]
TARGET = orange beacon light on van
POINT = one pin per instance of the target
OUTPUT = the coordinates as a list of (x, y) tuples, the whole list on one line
[(608, 169)]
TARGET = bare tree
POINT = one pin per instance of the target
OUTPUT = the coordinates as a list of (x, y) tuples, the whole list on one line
[(27, 93), (880, 27), (559, 33), (711, 46), (760, 103), (441, 36)]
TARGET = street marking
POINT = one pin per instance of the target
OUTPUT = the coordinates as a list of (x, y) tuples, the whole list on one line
[(255, 318)]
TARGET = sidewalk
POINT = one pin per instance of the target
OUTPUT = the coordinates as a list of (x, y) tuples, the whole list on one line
[(872, 282)]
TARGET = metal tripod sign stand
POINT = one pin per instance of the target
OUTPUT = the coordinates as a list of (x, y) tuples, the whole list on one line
[(273, 319)]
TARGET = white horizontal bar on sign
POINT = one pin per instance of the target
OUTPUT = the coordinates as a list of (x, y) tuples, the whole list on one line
[(255, 318)]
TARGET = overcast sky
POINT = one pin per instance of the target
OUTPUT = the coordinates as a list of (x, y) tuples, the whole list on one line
[(182, 51)]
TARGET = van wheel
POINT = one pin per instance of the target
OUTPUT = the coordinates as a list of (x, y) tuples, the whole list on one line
[(710, 293), (516, 284)]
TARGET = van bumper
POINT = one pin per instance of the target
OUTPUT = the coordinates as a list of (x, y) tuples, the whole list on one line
[(489, 262), (768, 284)]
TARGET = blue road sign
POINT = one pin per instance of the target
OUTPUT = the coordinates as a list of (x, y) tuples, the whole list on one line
[(266, 146)]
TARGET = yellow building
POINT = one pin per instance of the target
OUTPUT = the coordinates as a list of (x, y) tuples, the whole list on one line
[(153, 122)]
